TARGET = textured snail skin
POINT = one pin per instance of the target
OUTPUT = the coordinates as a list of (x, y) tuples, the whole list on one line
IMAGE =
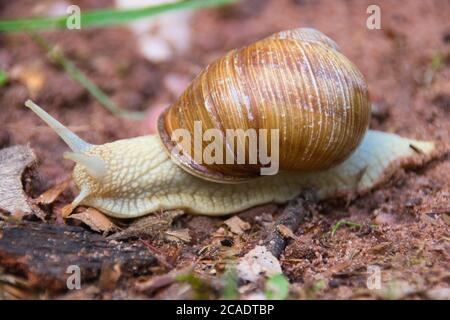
[(295, 81), (141, 178)]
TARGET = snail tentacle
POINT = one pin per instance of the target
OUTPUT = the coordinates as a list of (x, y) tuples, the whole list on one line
[(75, 143)]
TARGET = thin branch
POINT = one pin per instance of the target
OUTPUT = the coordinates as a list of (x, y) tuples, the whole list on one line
[(292, 216)]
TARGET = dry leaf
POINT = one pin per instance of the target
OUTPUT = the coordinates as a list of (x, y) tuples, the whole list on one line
[(51, 194), (67, 210), (17, 215), (286, 232), (237, 225), (96, 220), (13, 162), (178, 235), (258, 263), (154, 225)]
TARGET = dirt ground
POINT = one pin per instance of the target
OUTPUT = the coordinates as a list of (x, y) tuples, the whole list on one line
[(405, 223)]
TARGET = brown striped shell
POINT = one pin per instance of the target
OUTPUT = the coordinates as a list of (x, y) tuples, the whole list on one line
[(296, 81)]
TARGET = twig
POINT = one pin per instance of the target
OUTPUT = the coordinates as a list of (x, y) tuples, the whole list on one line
[(293, 214)]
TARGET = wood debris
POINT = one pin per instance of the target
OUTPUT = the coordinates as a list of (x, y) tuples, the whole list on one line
[(180, 235), (54, 248), (153, 225), (293, 214), (53, 193), (13, 162)]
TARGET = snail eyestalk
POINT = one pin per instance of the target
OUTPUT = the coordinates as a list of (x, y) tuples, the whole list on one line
[(94, 165), (74, 142)]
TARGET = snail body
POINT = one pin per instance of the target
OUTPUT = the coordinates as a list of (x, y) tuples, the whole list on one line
[(296, 82), (153, 182)]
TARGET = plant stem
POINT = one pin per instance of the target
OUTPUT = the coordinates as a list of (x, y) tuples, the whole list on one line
[(77, 75)]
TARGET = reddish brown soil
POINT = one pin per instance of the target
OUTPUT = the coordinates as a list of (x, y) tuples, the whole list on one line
[(407, 66)]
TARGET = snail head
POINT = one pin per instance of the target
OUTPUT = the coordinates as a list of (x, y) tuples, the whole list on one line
[(108, 175)]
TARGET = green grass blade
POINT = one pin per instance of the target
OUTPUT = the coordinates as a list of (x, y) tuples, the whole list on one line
[(103, 17), (3, 77), (277, 287), (230, 282), (344, 222)]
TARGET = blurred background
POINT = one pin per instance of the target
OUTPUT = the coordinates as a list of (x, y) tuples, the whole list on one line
[(132, 71)]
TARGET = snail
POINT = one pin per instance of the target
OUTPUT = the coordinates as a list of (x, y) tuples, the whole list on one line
[(296, 82)]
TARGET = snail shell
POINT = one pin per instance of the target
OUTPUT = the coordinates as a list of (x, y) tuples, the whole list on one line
[(296, 81)]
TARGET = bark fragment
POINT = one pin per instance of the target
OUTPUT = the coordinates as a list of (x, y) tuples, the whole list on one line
[(43, 252)]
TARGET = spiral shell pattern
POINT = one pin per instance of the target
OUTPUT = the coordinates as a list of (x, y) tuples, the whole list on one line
[(296, 81)]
